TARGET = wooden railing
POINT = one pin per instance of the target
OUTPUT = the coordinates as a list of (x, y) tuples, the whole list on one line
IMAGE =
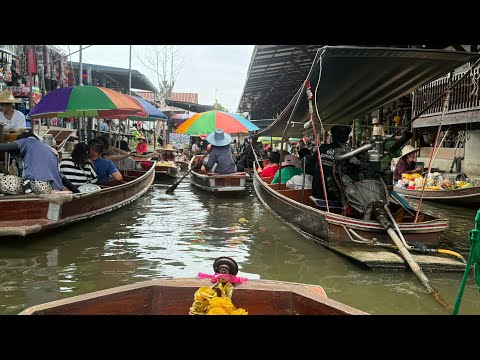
[(464, 96)]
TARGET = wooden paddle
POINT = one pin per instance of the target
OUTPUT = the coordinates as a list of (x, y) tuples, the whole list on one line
[(172, 188)]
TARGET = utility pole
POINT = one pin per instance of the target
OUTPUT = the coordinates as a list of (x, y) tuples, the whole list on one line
[(130, 72)]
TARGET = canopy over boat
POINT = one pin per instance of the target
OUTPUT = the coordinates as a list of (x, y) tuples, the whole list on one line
[(348, 82)]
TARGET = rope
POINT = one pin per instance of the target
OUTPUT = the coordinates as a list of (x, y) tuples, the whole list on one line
[(319, 157), (445, 107)]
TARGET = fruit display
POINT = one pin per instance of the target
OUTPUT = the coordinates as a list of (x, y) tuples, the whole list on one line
[(435, 182)]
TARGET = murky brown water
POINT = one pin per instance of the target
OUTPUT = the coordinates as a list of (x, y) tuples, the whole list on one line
[(179, 235)]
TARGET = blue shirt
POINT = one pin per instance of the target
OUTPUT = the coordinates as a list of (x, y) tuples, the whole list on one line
[(104, 168), (104, 127), (222, 156), (39, 162)]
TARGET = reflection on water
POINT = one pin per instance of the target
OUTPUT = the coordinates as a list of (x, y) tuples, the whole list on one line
[(181, 234)]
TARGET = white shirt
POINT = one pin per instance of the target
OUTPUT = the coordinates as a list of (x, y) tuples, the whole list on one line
[(17, 122), (296, 181), (378, 130)]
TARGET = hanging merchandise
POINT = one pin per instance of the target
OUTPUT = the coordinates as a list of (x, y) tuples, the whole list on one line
[(31, 66)]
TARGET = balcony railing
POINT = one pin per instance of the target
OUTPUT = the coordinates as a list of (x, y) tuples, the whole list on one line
[(464, 96)]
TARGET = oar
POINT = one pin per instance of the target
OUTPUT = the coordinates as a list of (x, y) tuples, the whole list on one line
[(408, 257), (174, 186)]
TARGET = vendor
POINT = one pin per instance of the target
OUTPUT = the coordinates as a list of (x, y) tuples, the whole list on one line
[(406, 164), (13, 120)]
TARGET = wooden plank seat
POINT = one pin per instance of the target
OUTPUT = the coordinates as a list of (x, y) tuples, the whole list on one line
[(268, 180), (296, 194), (235, 174)]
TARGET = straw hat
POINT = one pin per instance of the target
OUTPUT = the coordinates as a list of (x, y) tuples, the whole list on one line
[(407, 149), (219, 138), (290, 160), (168, 147), (375, 121), (6, 97)]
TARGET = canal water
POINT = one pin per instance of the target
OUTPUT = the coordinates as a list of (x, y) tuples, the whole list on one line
[(179, 235)]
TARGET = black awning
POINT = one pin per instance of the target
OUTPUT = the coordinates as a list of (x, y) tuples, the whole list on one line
[(357, 80), (189, 106)]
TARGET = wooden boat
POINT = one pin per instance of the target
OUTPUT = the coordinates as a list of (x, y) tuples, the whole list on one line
[(175, 297), (217, 183), (459, 197), (162, 172), (22, 215), (344, 234), (366, 191)]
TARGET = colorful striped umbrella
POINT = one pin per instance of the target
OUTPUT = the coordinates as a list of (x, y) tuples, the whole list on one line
[(92, 101), (148, 113), (208, 121)]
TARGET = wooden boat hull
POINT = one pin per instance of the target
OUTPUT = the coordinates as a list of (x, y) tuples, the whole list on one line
[(334, 231), (218, 183), (328, 227), (162, 173), (460, 197), (175, 296), (165, 172), (27, 214)]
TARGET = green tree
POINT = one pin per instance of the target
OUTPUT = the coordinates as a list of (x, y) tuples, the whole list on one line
[(220, 107)]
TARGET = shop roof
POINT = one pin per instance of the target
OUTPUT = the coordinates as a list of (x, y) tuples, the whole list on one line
[(139, 81), (275, 73), (189, 106)]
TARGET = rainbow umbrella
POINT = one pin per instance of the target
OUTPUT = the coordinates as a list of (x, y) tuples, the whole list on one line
[(208, 121), (148, 112), (92, 101)]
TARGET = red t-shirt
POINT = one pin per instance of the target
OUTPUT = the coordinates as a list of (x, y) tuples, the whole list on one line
[(142, 148), (270, 171)]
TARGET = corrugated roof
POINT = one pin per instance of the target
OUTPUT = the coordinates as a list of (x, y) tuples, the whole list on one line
[(275, 73), (184, 97), (139, 81)]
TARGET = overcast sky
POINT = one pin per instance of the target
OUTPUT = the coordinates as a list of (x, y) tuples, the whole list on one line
[(207, 69)]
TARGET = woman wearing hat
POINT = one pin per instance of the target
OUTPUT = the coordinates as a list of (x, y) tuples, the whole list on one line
[(406, 164), (142, 147), (11, 119), (220, 153), (290, 168), (377, 128), (168, 153)]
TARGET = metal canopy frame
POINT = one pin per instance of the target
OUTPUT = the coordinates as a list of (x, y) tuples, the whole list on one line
[(275, 74)]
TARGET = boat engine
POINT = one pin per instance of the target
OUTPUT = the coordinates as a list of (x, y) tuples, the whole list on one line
[(364, 173)]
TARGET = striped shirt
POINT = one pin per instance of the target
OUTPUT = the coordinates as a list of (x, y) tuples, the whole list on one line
[(75, 174)]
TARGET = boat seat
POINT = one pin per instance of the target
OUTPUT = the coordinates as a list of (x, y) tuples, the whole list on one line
[(333, 205), (268, 180)]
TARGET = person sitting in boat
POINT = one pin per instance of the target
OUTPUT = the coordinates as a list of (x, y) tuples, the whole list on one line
[(40, 165), (406, 164), (246, 158), (328, 151), (290, 168), (12, 119), (142, 147), (78, 168), (104, 168), (181, 155), (220, 153), (168, 153), (111, 152), (273, 165)]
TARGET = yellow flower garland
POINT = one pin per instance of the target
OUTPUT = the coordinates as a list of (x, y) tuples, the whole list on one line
[(207, 302)]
